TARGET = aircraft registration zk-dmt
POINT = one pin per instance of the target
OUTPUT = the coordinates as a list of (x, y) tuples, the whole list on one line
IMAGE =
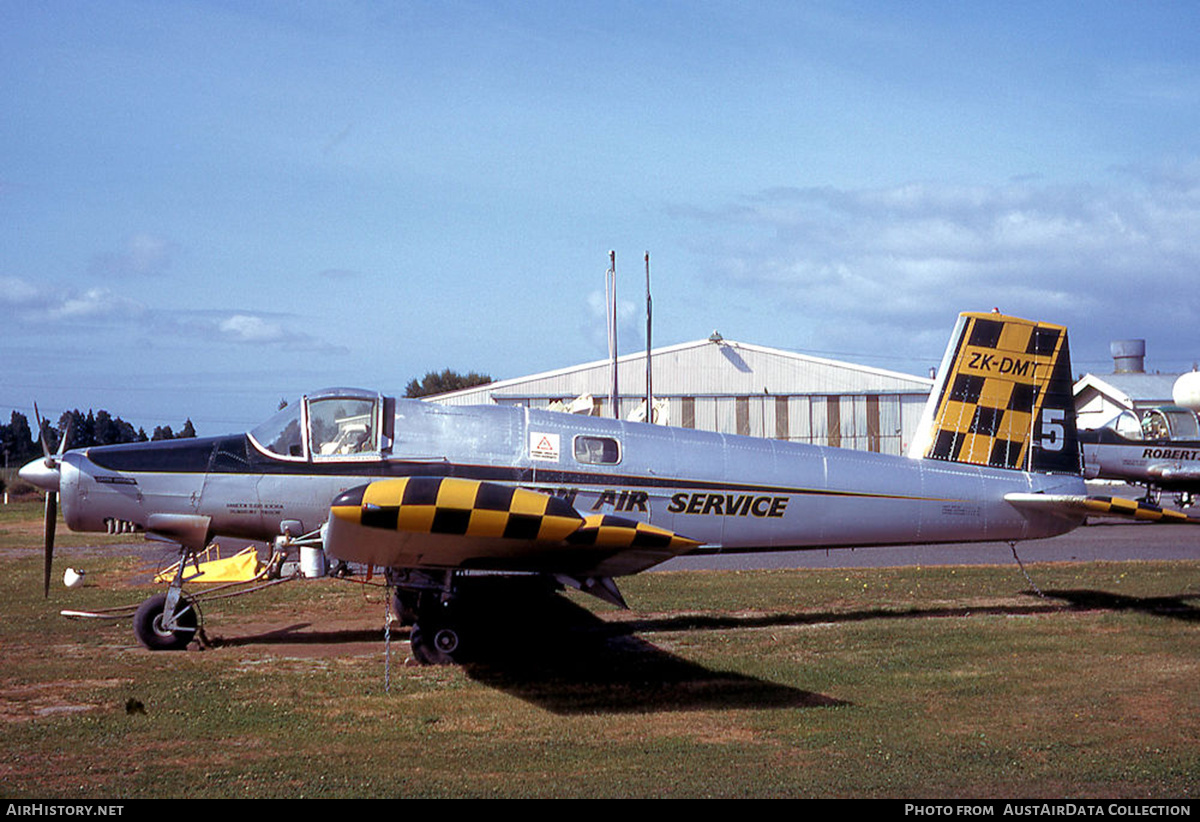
[(434, 494)]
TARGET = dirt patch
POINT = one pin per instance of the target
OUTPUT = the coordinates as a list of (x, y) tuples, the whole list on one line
[(339, 637), (20, 703)]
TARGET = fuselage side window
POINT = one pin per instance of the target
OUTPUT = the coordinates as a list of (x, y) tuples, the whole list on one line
[(597, 450)]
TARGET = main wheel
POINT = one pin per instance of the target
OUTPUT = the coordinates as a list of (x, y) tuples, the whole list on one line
[(148, 624), (436, 645)]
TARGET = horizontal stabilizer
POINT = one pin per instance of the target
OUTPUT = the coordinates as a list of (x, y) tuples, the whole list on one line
[(1077, 505)]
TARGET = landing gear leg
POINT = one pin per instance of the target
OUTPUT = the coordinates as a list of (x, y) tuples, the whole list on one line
[(437, 635), (168, 622), (426, 602), (158, 631)]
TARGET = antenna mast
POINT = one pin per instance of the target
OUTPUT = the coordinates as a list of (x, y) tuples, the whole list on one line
[(649, 368), (610, 285)]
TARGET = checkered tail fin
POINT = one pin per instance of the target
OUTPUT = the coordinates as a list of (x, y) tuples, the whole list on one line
[(1003, 398)]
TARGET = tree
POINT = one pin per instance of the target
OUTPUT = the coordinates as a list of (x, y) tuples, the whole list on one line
[(439, 383), (17, 440), (110, 430)]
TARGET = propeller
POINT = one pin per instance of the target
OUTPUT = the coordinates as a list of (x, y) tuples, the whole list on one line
[(51, 522), (51, 519)]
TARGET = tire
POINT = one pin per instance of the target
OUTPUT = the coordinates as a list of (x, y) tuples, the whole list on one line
[(437, 645), (147, 624)]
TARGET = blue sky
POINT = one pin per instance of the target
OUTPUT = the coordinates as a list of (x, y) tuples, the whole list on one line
[(206, 207)]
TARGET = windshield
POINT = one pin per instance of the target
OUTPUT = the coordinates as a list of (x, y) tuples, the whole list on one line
[(281, 434)]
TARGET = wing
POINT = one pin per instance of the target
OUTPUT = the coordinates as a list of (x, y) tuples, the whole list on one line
[(445, 522), (1075, 506)]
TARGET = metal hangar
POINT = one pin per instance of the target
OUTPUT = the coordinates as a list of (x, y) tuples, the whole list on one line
[(734, 388)]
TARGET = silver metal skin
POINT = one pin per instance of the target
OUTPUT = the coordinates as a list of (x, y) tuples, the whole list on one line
[(315, 467), (1160, 451), (730, 493)]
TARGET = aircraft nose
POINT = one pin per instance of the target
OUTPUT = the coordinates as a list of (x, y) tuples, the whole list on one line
[(37, 472)]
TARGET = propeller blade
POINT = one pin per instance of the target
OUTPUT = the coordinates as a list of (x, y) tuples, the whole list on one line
[(62, 444), (41, 432), (51, 522)]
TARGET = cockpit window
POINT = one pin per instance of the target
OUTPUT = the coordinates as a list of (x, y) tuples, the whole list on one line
[(342, 426), (1184, 425), (1170, 424), (281, 434), (1154, 426), (335, 423)]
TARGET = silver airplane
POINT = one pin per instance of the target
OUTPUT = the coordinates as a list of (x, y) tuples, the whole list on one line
[(436, 494), (1160, 451)]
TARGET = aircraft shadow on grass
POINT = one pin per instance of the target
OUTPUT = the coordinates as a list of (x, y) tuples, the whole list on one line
[(567, 660), (562, 657), (297, 634), (586, 664), (557, 654), (1173, 607)]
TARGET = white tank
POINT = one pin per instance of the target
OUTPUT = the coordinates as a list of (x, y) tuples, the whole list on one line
[(312, 562), (1187, 390)]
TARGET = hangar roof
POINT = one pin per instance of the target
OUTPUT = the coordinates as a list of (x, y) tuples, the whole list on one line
[(1132, 389), (709, 367)]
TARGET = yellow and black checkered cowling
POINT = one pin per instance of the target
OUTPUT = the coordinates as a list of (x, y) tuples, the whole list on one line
[(449, 506), (607, 531), (461, 507), (1008, 390)]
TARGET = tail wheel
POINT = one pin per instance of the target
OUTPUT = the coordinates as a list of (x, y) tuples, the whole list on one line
[(149, 629)]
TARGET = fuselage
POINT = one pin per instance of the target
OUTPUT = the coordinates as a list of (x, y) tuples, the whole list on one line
[(1172, 465), (730, 493)]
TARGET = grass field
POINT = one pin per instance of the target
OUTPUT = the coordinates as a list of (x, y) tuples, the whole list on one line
[(914, 682)]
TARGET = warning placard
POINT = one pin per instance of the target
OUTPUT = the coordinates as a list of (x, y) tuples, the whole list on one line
[(543, 447)]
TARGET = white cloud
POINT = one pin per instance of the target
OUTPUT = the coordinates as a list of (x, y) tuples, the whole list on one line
[(94, 303), (17, 292), (1110, 261), (29, 303), (630, 335), (245, 328), (253, 329)]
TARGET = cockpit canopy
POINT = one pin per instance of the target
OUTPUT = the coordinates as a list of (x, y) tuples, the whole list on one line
[(1169, 422), (332, 424)]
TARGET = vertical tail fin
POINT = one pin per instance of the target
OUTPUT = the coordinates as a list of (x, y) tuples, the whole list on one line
[(1003, 398)]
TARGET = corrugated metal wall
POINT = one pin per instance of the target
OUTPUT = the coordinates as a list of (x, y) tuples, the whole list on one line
[(735, 388), (884, 423)]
